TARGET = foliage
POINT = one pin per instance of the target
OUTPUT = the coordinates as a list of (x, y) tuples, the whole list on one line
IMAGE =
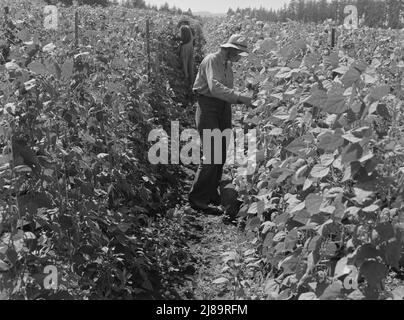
[(77, 189), (327, 196), (79, 2)]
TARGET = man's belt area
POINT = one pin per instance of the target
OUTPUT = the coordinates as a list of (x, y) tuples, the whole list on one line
[(201, 96)]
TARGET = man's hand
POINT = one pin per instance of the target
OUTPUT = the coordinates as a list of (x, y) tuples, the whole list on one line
[(245, 100)]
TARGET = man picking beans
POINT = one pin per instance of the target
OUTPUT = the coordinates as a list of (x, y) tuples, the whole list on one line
[(215, 94)]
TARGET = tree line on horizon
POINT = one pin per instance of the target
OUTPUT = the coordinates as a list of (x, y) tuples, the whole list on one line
[(374, 13), (141, 4)]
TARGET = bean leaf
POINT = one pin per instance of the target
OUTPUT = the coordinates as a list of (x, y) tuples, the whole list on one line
[(221, 280), (320, 171)]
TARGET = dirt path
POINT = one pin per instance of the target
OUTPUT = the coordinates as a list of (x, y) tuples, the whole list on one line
[(218, 277), (216, 260)]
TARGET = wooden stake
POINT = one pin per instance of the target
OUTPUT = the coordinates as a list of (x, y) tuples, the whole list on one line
[(76, 28), (333, 37), (338, 13), (148, 46), (6, 12)]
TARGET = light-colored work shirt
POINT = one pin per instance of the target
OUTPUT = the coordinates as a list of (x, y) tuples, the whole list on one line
[(215, 78)]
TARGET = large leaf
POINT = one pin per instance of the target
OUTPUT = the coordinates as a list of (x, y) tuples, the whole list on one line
[(330, 141), (253, 223), (362, 195), (221, 280), (318, 98), (334, 192), (350, 77), (329, 228), (265, 46), (279, 236), (313, 203), (351, 153), (308, 296), (330, 250), (24, 35), (285, 174), (243, 212), (253, 209), (296, 146), (284, 73), (275, 132), (371, 209), (272, 287), (333, 291), (379, 92), (297, 207), (289, 264), (385, 230), (320, 171), (351, 138), (282, 218), (260, 207), (53, 68), (300, 146), (341, 70), (327, 159), (302, 217), (340, 208), (310, 60), (38, 68), (362, 132), (314, 243), (301, 175), (291, 240), (336, 101), (332, 60), (4, 266)]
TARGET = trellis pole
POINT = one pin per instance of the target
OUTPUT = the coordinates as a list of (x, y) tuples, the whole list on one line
[(148, 46), (76, 28), (333, 32), (6, 12)]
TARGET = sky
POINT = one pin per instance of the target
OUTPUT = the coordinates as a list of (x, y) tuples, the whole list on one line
[(218, 6)]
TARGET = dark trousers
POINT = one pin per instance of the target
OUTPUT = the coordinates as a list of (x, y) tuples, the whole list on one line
[(187, 60), (211, 114)]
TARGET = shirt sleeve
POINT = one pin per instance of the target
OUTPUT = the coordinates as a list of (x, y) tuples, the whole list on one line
[(218, 89)]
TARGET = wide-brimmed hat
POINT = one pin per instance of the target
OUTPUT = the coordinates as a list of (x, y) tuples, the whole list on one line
[(238, 42), (183, 20)]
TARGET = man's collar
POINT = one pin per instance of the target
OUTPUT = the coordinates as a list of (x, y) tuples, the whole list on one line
[(222, 56)]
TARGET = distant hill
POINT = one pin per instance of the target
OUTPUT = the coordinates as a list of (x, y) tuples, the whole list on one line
[(208, 14)]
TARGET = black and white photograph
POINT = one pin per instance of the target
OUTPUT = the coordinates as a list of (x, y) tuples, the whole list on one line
[(222, 153)]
